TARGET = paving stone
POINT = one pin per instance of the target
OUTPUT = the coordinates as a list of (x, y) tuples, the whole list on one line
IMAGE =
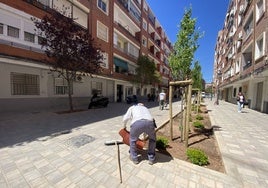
[(48, 162)]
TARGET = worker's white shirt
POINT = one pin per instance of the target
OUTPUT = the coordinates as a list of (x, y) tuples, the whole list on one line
[(137, 112)]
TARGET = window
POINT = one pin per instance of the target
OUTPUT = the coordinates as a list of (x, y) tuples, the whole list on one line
[(237, 66), (145, 6), (134, 12), (120, 65), (44, 2), (1, 28), (259, 9), (105, 60), (248, 28), (259, 48), (234, 92), (144, 25), (144, 42), (96, 88), (61, 86), (102, 31), (24, 84), (103, 5), (133, 50), (13, 32), (29, 37), (40, 40), (80, 16)]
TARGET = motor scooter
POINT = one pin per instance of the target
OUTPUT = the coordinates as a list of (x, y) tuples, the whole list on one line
[(98, 102)]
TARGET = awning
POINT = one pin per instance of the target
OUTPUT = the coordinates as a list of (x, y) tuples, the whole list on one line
[(120, 63)]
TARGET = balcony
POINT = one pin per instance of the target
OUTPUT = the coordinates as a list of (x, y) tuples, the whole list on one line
[(151, 18), (248, 64), (131, 9), (44, 5), (152, 50), (158, 42), (124, 3), (152, 35), (126, 31), (159, 30), (125, 51)]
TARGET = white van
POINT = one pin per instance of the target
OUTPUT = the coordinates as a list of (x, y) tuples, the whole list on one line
[(203, 94)]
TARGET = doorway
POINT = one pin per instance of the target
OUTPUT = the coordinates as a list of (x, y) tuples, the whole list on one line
[(119, 93), (259, 96)]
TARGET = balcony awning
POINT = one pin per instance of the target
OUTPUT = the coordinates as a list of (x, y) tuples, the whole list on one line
[(120, 63)]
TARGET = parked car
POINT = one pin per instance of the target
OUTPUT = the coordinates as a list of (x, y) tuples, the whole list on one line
[(98, 101), (203, 94), (132, 99)]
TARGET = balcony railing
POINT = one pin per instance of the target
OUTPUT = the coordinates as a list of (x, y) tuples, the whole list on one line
[(247, 65), (131, 9), (22, 46), (125, 51), (42, 5), (127, 31)]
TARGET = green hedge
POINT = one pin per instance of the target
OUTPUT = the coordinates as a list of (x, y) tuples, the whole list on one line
[(197, 156)]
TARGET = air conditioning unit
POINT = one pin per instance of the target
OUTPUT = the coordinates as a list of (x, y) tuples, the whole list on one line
[(79, 79)]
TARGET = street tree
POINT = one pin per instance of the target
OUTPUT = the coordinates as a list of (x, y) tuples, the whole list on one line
[(197, 76), (70, 49), (186, 45), (146, 72), (180, 62)]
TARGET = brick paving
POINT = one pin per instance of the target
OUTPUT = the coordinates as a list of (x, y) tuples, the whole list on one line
[(46, 149)]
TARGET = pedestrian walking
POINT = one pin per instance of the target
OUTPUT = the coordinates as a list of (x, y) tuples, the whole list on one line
[(240, 101), (162, 99), (141, 122)]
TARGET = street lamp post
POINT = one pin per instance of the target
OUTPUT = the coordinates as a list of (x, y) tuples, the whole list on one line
[(218, 87)]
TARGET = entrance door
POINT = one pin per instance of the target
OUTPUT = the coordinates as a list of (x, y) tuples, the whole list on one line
[(119, 93), (259, 96)]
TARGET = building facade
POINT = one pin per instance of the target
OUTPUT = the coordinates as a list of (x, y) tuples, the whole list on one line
[(241, 61), (123, 29)]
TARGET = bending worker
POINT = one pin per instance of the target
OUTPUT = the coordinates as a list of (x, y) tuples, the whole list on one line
[(141, 122)]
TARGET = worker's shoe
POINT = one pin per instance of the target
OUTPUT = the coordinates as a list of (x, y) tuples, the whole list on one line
[(151, 162), (135, 161), (151, 159)]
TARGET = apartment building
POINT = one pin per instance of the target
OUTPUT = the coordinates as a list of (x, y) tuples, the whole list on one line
[(124, 30), (241, 61)]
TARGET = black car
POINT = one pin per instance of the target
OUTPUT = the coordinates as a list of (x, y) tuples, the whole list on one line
[(98, 102), (132, 99)]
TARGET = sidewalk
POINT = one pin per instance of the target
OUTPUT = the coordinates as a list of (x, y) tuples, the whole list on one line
[(50, 150), (243, 142)]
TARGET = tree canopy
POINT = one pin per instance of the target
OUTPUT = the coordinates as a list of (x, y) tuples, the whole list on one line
[(182, 56), (69, 48), (197, 76), (146, 72)]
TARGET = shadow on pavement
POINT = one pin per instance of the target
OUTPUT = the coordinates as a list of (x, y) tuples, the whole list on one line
[(16, 129)]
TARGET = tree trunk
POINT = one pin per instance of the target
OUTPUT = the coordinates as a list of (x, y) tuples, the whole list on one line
[(69, 91)]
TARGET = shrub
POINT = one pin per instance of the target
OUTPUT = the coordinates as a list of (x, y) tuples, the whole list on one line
[(161, 143), (197, 156), (199, 117), (198, 124)]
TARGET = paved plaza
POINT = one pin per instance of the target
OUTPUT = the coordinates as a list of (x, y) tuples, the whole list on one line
[(46, 149)]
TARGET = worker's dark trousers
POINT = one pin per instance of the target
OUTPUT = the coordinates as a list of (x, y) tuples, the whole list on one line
[(136, 129)]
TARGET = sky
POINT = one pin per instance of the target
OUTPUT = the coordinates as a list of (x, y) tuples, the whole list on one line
[(210, 15)]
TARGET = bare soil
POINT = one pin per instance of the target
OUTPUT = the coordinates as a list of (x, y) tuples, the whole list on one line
[(203, 139)]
